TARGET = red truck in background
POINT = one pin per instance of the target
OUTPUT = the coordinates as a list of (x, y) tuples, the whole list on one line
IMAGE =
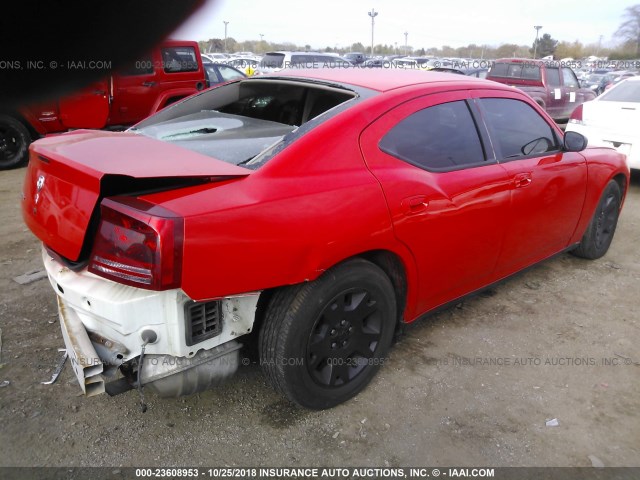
[(553, 85), (170, 72)]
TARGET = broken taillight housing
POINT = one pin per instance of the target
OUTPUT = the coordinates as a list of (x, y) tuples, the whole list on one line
[(138, 244), (576, 116)]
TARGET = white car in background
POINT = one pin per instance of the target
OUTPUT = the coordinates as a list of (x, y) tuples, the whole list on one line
[(612, 120), (216, 57), (276, 61)]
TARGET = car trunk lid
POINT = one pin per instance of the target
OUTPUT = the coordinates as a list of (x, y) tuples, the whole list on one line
[(69, 174), (618, 120)]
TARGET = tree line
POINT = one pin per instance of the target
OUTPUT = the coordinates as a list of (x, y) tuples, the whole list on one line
[(628, 47)]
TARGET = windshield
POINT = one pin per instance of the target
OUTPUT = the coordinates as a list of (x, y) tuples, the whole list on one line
[(628, 91)]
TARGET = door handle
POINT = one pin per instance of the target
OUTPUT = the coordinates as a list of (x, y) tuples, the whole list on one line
[(99, 92), (148, 84), (415, 204), (522, 180)]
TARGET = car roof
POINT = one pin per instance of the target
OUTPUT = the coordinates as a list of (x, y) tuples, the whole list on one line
[(385, 79)]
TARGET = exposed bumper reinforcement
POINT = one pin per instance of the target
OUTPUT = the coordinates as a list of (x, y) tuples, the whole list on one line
[(85, 361)]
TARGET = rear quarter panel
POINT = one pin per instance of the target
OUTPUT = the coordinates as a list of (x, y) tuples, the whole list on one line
[(286, 223)]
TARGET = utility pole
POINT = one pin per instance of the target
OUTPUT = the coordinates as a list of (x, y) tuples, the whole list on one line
[(406, 48), (225, 35), (373, 14), (599, 45), (535, 45)]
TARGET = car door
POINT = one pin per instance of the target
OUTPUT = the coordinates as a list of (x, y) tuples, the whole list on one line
[(135, 89), (571, 92), (555, 101), (447, 196), (548, 186), (86, 108)]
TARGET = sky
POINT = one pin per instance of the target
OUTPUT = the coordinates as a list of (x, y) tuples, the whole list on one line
[(454, 23)]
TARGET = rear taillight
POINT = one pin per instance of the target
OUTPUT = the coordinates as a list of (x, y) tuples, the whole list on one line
[(138, 244), (576, 116)]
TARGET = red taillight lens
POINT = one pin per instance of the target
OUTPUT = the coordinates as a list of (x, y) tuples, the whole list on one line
[(576, 116), (138, 244)]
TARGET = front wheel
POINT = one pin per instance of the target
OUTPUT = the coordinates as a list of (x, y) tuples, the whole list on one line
[(14, 143), (597, 239), (322, 342)]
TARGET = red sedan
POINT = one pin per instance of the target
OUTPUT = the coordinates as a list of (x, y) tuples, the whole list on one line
[(315, 210)]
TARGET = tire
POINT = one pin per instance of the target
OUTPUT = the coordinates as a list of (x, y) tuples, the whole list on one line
[(14, 143), (599, 234), (323, 341)]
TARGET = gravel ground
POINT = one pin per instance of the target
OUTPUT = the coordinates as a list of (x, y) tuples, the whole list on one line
[(472, 385)]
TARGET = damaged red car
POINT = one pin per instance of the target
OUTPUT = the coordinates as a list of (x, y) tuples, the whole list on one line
[(313, 210)]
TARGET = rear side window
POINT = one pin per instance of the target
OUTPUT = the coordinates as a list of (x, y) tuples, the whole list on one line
[(553, 76), (531, 72), (517, 129), (179, 59), (301, 59), (439, 138), (516, 70)]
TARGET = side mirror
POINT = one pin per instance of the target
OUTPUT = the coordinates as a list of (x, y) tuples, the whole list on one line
[(574, 142)]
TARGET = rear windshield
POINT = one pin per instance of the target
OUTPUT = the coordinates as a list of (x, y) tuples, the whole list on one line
[(272, 60), (515, 70), (627, 91), (239, 121)]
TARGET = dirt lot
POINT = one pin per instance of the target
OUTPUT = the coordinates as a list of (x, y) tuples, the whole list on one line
[(473, 385)]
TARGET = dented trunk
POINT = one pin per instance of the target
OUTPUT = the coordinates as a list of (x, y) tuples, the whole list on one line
[(68, 176)]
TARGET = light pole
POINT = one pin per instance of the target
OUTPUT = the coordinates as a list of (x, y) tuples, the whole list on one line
[(373, 14), (406, 49), (261, 36), (535, 45), (225, 35)]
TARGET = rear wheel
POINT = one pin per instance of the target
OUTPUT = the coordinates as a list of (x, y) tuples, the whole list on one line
[(14, 143), (599, 234), (322, 342)]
